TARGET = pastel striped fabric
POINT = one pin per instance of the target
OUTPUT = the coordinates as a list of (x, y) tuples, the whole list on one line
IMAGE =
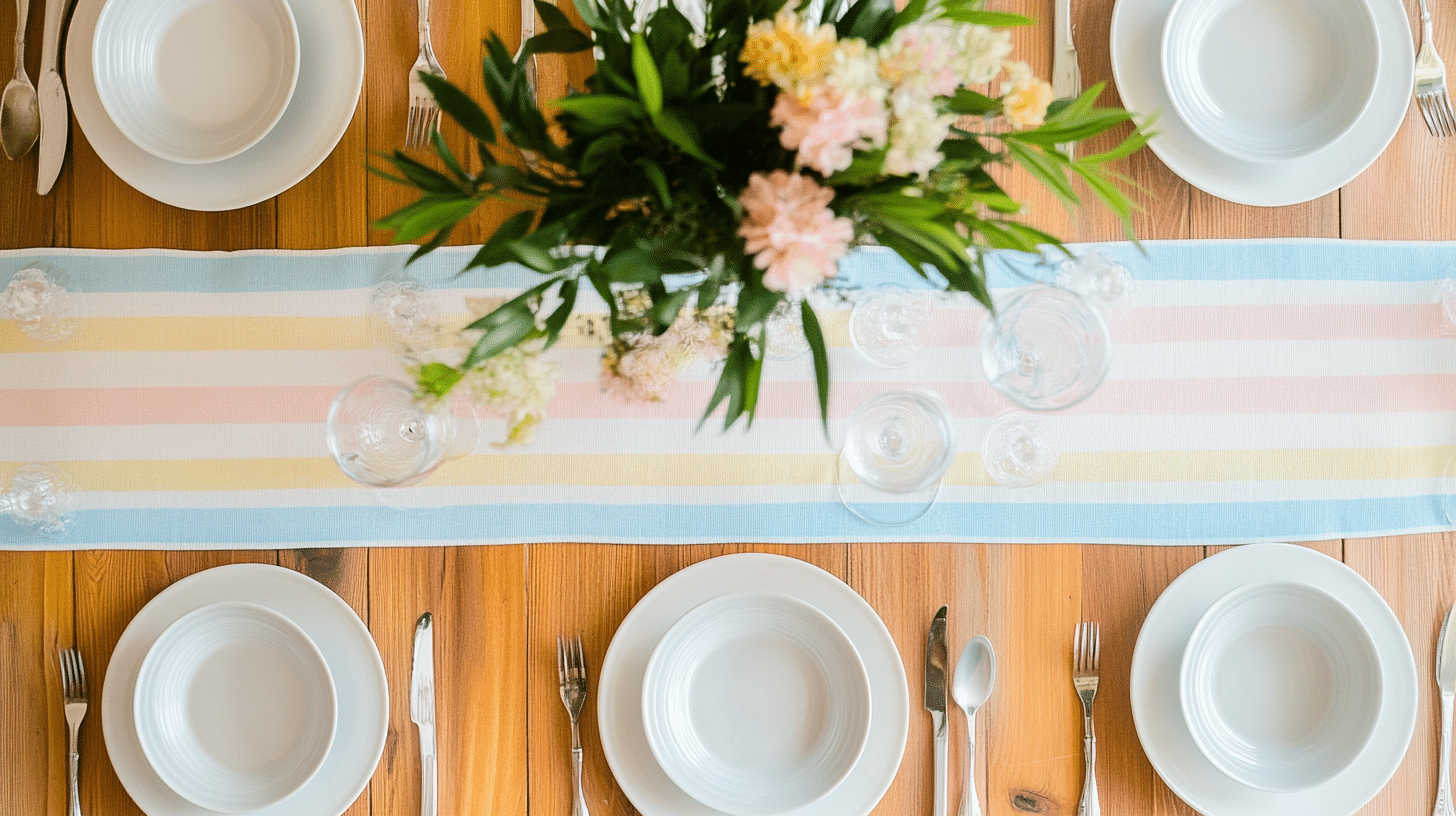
[(1259, 390)]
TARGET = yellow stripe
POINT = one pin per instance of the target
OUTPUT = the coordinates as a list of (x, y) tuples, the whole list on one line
[(706, 470)]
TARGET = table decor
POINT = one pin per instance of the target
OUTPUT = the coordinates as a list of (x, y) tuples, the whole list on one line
[(732, 162)]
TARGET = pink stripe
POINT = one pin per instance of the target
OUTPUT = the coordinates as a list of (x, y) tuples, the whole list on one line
[(1171, 324), (164, 406), (779, 400)]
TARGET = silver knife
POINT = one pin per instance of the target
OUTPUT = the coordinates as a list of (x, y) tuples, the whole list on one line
[(55, 111), (1066, 76), (1446, 684), (935, 702), (422, 710)]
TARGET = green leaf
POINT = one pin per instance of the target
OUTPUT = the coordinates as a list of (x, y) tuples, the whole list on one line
[(560, 41), (436, 380), (653, 171), (557, 321), (994, 19), (432, 213), (649, 83), (494, 251), (666, 310), (448, 158), (680, 134), (602, 109), (600, 150), (587, 9), (752, 374), (730, 384), (553, 17), (459, 106), (968, 102), (868, 20), (815, 335)]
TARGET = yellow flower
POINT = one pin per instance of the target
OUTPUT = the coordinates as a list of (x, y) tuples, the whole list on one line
[(782, 52), (1024, 98)]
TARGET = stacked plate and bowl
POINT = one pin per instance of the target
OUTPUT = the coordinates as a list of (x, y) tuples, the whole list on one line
[(1273, 679), (1265, 102), (214, 104), (246, 689), (753, 685)]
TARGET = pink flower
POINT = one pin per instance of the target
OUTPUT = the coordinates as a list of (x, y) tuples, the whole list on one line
[(828, 129), (791, 232)]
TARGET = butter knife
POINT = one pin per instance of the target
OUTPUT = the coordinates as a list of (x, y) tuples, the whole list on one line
[(55, 110), (935, 702), (1446, 684), (422, 710), (1066, 76)]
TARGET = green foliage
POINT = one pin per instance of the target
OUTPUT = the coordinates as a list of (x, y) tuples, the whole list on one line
[(647, 163)]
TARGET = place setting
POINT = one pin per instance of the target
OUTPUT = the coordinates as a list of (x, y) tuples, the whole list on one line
[(245, 689), (214, 104)]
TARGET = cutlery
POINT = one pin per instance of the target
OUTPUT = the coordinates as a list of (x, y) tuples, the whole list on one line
[(1086, 652), (1431, 83), (975, 675), (1446, 684), (424, 113), (19, 111), (935, 701), (1066, 75), (73, 690), (55, 111), (571, 670), (422, 710)]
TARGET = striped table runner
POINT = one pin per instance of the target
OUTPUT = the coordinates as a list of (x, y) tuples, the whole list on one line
[(1259, 390)]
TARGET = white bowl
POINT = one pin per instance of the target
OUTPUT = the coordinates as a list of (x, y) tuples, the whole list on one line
[(235, 707), (1270, 80), (195, 81), (756, 703), (1280, 685)]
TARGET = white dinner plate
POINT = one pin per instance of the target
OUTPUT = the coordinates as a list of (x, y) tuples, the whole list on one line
[(756, 703), (1137, 31), (1154, 684), (361, 689), (619, 708), (330, 76)]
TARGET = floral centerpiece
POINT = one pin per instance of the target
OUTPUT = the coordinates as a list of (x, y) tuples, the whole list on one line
[(718, 168)]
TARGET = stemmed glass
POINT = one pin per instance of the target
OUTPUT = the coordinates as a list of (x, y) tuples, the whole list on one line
[(885, 326), (898, 446), (403, 313), (1018, 451), (383, 436), (42, 303), (1103, 282), (785, 332), (1045, 348), (40, 500)]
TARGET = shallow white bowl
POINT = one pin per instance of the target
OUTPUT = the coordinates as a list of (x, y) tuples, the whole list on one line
[(756, 703), (195, 81), (1280, 685), (1270, 80), (234, 707)]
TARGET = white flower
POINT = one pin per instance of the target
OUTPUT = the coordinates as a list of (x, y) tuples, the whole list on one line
[(979, 52), (517, 384), (915, 135)]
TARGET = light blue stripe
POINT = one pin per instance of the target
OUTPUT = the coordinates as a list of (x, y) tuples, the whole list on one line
[(806, 522), (1273, 259)]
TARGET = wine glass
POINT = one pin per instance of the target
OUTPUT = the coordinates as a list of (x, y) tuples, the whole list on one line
[(1104, 283), (785, 332), (884, 326), (383, 436), (402, 313), (1018, 450), (898, 446), (1045, 348), (42, 302), (40, 500)]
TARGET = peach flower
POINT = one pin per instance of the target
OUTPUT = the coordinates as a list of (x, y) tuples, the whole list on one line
[(791, 232)]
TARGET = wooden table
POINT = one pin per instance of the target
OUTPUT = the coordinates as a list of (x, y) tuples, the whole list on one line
[(503, 733)]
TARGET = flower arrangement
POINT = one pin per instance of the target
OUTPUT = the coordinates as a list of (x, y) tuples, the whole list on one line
[(717, 167)]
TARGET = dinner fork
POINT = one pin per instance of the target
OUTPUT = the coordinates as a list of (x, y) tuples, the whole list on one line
[(73, 689), (1086, 650), (571, 668), (424, 112), (1431, 93)]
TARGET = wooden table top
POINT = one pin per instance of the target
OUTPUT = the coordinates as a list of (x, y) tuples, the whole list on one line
[(503, 732)]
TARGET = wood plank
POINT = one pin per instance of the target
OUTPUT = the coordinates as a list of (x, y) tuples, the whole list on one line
[(1417, 576), (1409, 193), (36, 594), (476, 597)]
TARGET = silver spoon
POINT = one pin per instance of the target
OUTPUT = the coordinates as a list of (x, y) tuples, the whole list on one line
[(975, 675), (19, 111)]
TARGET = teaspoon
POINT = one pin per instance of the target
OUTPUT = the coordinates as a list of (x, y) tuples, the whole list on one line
[(975, 675), (19, 110)]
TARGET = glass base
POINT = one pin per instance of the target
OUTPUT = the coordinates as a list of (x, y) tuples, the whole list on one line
[(878, 507)]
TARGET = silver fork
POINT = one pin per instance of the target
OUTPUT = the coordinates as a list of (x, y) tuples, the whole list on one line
[(424, 113), (571, 667), (1086, 650), (73, 689), (1431, 93)]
